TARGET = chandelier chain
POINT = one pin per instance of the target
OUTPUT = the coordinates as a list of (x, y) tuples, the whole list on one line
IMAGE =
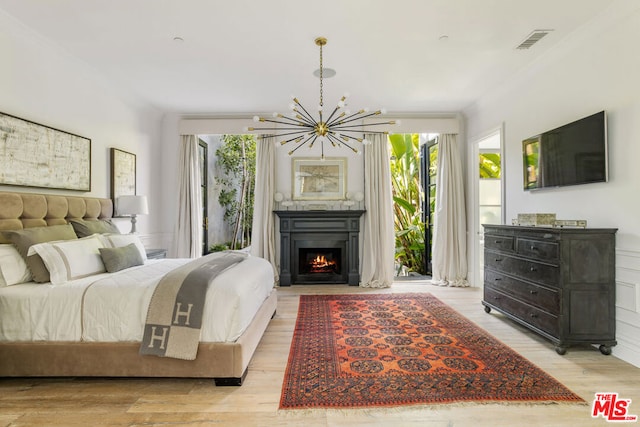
[(321, 66)]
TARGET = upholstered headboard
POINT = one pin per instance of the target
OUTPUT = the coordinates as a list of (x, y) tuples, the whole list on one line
[(26, 210)]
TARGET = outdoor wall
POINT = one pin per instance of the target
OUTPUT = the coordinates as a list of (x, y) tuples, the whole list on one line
[(219, 231)]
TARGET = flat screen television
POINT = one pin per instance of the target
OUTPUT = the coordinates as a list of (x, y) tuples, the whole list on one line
[(573, 154)]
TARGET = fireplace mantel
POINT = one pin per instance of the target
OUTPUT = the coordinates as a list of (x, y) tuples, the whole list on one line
[(304, 226)]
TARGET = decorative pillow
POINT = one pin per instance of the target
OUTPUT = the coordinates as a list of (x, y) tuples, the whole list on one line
[(71, 259), (119, 240), (13, 269), (24, 239), (116, 259), (87, 228)]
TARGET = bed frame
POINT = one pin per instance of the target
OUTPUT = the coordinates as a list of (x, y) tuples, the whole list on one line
[(226, 362)]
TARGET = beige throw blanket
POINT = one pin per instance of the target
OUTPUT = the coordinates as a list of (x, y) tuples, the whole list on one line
[(175, 311)]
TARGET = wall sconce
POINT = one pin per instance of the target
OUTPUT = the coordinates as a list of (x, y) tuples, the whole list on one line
[(133, 205)]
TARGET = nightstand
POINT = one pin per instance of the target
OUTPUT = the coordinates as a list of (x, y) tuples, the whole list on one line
[(156, 253)]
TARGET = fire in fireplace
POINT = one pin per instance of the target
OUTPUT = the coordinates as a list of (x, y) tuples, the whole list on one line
[(320, 261), (320, 264)]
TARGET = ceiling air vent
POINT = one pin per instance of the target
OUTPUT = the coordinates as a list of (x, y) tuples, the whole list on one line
[(533, 38)]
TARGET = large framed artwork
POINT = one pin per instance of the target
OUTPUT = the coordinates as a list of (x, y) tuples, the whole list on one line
[(34, 155), (316, 179), (123, 175)]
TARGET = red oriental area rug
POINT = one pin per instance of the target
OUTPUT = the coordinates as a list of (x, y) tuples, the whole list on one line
[(362, 350)]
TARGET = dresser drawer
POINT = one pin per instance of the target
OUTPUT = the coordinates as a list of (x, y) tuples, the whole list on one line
[(544, 298), (527, 313), (537, 249), (544, 274), (499, 243)]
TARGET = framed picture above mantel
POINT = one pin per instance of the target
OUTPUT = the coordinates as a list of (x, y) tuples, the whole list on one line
[(316, 179), (35, 155)]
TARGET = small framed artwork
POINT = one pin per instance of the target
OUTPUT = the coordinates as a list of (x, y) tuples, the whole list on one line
[(315, 179), (123, 175)]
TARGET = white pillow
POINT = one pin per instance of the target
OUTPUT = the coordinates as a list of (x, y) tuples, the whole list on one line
[(120, 240), (13, 269), (71, 259)]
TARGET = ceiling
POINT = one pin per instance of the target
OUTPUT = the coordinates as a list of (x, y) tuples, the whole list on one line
[(242, 56)]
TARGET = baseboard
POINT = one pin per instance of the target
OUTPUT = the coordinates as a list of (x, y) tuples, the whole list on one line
[(627, 351)]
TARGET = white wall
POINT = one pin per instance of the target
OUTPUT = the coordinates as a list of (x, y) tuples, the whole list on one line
[(41, 83), (595, 69)]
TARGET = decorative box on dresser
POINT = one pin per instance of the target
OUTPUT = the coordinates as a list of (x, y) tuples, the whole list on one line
[(559, 282)]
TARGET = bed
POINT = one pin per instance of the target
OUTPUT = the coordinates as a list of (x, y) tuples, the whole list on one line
[(90, 323)]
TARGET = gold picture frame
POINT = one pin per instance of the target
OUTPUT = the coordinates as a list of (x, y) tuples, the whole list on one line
[(316, 179)]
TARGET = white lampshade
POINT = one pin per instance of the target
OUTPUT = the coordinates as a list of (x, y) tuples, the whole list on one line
[(132, 205)]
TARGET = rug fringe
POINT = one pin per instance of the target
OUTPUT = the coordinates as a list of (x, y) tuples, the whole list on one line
[(417, 407)]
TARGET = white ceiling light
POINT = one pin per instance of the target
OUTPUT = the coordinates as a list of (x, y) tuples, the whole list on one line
[(326, 72)]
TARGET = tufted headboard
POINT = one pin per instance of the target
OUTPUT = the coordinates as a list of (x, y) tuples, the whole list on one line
[(26, 210)]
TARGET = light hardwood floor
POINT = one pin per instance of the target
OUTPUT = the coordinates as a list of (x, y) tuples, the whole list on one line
[(189, 402)]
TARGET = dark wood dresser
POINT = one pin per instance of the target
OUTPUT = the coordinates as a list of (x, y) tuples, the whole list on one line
[(558, 282)]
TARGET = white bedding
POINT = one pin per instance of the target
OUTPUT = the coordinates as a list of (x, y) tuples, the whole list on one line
[(112, 307)]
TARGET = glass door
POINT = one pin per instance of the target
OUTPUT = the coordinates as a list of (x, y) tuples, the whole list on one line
[(488, 193), (203, 154), (428, 169)]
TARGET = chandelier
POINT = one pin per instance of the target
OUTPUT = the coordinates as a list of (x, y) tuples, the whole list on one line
[(341, 127)]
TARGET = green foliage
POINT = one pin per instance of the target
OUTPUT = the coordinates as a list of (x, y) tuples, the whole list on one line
[(490, 165), (236, 159), (433, 172), (219, 247), (407, 197)]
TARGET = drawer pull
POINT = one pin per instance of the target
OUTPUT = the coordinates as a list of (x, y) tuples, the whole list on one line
[(534, 248), (496, 298), (498, 259), (533, 315), (497, 279), (532, 268), (497, 241), (533, 292)]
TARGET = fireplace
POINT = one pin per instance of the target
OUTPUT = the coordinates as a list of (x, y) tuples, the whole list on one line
[(319, 247)]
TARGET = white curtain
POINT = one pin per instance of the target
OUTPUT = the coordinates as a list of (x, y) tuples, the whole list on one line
[(263, 228), (450, 225), (188, 229), (378, 235)]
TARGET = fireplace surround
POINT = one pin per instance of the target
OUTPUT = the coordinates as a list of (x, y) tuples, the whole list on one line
[(306, 235)]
